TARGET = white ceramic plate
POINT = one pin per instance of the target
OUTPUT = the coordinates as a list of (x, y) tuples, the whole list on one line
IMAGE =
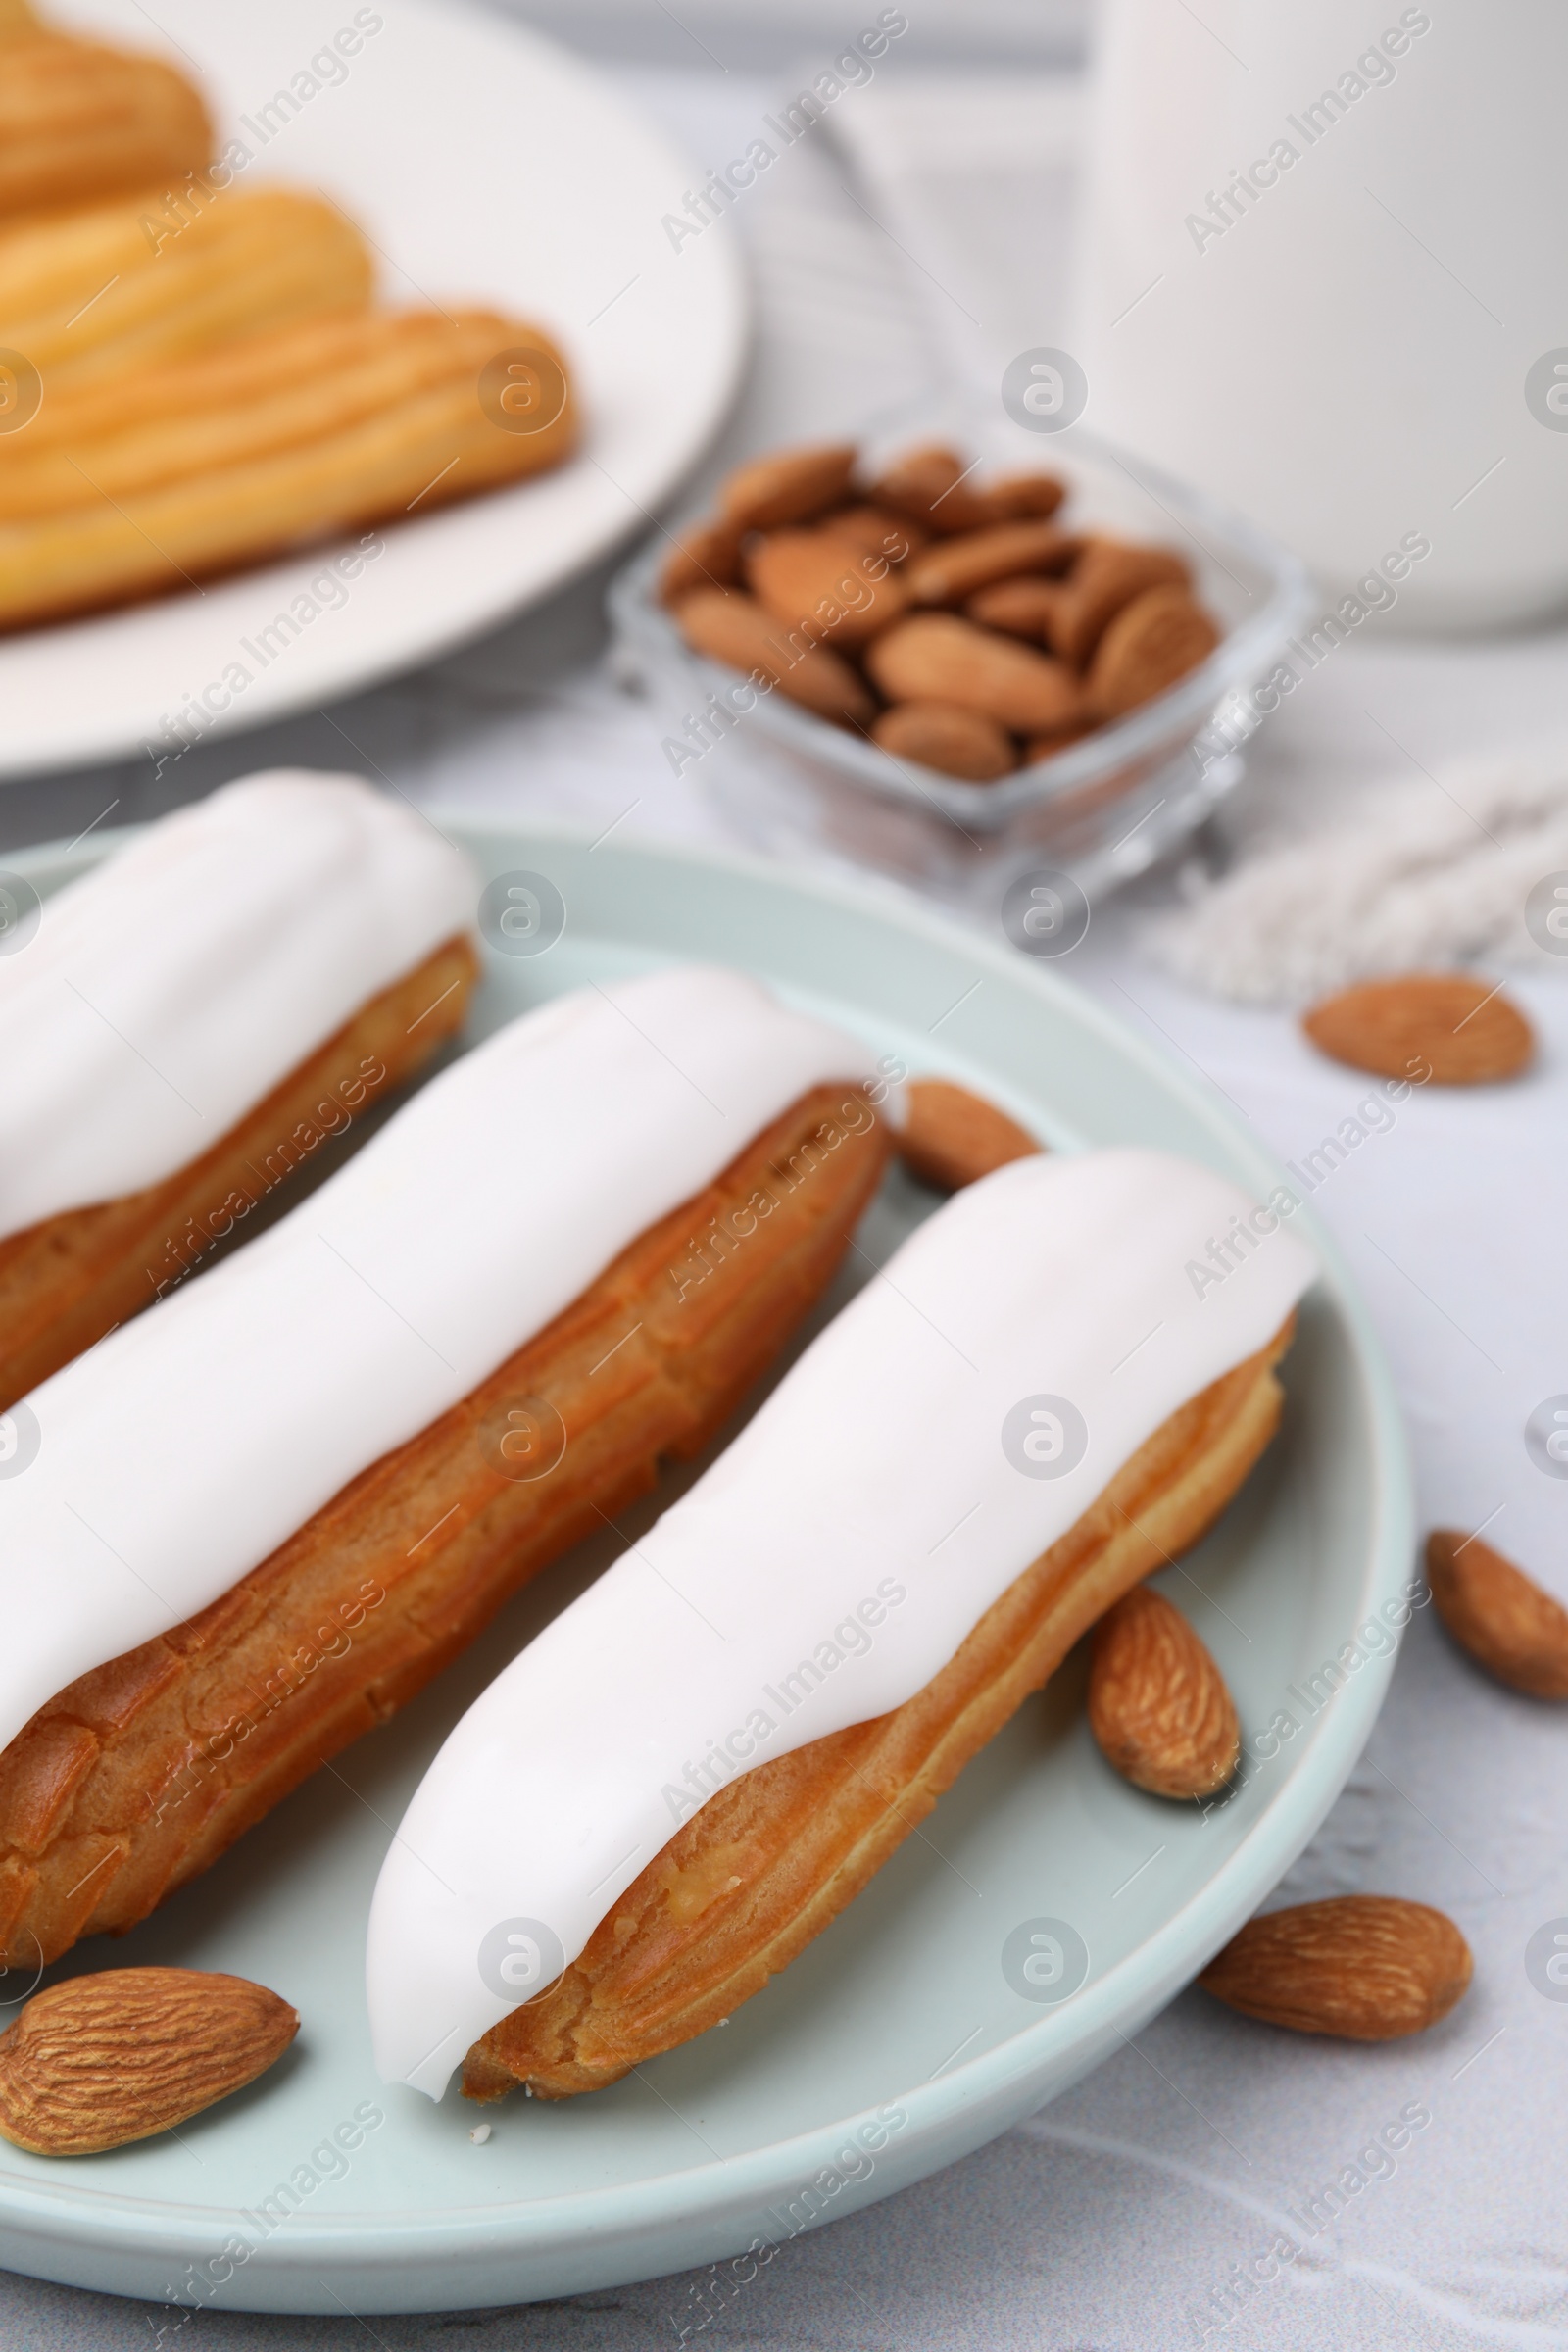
[(488, 167), (902, 2009)]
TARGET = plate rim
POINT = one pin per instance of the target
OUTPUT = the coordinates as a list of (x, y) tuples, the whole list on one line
[(976, 2101)]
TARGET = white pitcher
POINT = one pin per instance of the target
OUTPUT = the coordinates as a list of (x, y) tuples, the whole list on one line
[(1323, 273)]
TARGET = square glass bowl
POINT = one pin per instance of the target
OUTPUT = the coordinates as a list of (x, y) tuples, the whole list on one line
[(1103, 809)]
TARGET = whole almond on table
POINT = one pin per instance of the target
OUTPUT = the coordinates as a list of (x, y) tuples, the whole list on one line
[(1151, 642), (953, 740), (935, 656), (1157, 1703), (1107, 575), (812, 575), (1025, 608), (708, 555), (956, 568), (737, 631), (1465, 1032), (1499, 1614), (951, 1137), (1366, 1966), (100, 2061), (791, 486)]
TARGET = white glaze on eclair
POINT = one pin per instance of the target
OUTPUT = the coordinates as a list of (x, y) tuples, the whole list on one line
[(165, 993), (892, 1486)]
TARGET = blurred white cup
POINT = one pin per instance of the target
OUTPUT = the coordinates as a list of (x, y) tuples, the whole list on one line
[(1320, 274)]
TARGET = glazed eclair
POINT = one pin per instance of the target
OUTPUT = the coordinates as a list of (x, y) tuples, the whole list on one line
[(255, 1521), (183, 1027), (687, 1775)]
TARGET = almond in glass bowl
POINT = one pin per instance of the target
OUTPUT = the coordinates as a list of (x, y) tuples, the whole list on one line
[(1042, 652)]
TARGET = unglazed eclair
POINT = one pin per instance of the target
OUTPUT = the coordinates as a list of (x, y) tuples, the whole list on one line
[(103, 295), (686, 1776), (78, 117), (270, 441), (251, 1524), (181, 1029)]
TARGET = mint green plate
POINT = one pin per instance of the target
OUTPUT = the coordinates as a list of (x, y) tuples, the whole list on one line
[(896, 2042)]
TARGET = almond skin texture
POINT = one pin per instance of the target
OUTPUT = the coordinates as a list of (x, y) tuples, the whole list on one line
[(1107, 577), (1442, 1019), (1025, 608), (99, 2061), (956, 568), (1157, 1702), (875, 531), (708, 555), (1151, 642), (1046, 747), (1017, 497), (937, 657), (813, 575), (1366, 1966), (1499, 1614), (951, 1137), (790, 486), (737, 631), (953, 740), (936, 487), (927, 485)]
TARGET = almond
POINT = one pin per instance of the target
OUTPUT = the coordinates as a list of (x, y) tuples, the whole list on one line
[(953, 740), (1499, 1614), (1150, 643), (875, 531), (735, 630), (1025, 608), (1157, 1702), (790, 486), (813, 575), (1368, 1967), (1107, 575), (1466, 1033), (951, 1137), (99, 2061), (928, 486), (1013, 497), (936, 486), (956, 568), (708, 555), (1046, 747), (937, 657)]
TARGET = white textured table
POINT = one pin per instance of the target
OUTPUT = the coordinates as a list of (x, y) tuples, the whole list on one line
[(1127, 2213)]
